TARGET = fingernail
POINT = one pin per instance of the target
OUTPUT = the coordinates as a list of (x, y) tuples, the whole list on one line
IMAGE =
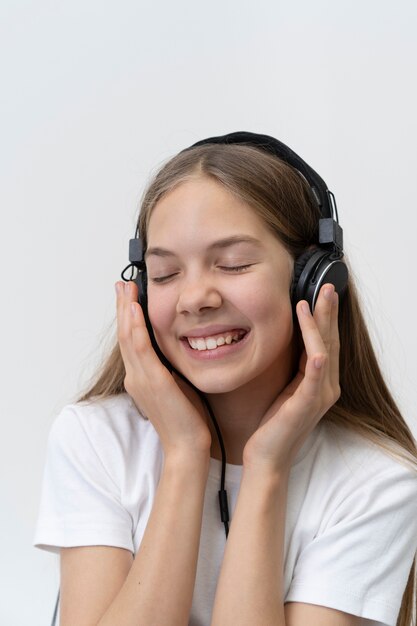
[(304, 307), (118, 288), (335, 298), (328, 292), (318, 362)]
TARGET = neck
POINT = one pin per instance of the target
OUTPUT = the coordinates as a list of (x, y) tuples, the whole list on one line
[(239, 412)]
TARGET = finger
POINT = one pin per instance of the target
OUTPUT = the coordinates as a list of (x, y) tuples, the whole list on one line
[(126, 296), (323, 312), (334, 352), (310, 392), (127, 302), (123, 321), (311, 388), (142, 348), (312, 338)]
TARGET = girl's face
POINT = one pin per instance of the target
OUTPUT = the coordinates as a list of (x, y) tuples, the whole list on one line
[(198, 234)]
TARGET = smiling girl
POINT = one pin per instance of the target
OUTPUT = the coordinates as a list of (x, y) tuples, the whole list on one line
[(322, 468)]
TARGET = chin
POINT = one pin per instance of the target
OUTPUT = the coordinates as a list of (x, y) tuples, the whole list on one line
[(210, 384)]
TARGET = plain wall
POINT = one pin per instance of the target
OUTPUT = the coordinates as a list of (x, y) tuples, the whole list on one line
[(95, 96)]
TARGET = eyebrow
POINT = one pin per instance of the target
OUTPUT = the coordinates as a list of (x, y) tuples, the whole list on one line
[(219, 244)]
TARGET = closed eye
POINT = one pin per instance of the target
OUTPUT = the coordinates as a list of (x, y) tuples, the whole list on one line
[(236, 268), (161, 279)]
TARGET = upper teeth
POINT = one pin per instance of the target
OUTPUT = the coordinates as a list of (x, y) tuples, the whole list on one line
[(210, 343)]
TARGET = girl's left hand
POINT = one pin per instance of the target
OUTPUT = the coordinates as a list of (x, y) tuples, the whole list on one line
[(300, 406)]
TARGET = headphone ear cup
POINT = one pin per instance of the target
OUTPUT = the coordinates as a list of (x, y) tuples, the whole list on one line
[(299, 266), (141, 283), (314, 268)]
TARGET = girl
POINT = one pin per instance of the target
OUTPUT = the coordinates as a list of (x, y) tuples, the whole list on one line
[(221, 356)]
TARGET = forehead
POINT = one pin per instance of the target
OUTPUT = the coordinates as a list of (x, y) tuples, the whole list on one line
[(202, 207)]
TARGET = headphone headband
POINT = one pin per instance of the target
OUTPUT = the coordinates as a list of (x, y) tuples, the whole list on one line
[(330, 232), (323, 197)]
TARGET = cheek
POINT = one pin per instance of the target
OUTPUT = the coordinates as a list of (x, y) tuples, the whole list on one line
[(269, 302), (272, 311), (160, 312)]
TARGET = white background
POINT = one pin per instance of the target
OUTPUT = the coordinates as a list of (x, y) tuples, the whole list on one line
[(95, 96)]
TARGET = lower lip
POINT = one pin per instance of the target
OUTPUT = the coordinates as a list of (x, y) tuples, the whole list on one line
[(217, 353)]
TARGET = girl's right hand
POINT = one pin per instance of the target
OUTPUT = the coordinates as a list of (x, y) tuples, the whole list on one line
[(174, 408)]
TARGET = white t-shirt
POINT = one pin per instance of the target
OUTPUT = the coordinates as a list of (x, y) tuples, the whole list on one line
[(351, 522)]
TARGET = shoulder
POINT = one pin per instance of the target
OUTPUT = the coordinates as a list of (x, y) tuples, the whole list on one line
[(100, 416), (100, 454), (364, 471), (358, 453), (110, 429), (343, 466)]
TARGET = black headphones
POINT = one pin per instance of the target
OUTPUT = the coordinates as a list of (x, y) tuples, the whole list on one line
[(320, 264)]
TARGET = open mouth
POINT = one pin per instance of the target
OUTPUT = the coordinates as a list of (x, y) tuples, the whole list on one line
[(216, 341)]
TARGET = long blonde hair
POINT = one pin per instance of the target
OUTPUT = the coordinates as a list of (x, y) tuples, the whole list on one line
[(281, 198)]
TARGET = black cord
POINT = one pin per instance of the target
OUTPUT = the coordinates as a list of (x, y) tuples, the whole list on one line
[(56, 609), (224, 509), (223, 505)]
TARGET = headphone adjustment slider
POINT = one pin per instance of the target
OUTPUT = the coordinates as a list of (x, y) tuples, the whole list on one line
[(331, 232), (135, 251)]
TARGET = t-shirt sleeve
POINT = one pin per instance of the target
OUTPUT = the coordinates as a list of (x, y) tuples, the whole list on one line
[(361, 561), (80, 501)]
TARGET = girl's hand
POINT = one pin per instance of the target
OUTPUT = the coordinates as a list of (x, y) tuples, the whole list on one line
[(174, 408), (315, 388)]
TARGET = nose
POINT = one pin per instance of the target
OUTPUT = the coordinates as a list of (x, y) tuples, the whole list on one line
[(197, 295)]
